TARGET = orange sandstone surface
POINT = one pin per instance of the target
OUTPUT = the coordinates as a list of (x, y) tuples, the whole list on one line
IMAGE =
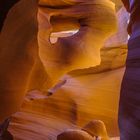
[(82, 68)]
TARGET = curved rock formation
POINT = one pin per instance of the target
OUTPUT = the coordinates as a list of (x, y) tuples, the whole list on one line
[(96, 128), (20, 60), (81, 50), (74, 135), (60, 3), (121, 37), (18, 49), (129, 111), (77, 102), (81, 94)]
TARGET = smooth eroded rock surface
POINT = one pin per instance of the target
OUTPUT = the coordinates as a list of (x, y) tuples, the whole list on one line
[(81, 99), (74, 135), (81, 50), (96, 128), (68, 83), (18, 51)]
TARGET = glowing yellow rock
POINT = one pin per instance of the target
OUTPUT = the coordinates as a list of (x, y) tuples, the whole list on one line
[(95, 21)]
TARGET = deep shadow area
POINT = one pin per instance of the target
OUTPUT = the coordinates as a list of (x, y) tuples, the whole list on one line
[(5, 6)]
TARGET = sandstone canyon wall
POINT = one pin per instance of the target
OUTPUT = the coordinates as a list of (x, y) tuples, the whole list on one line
[(18, 49), (129, 112), (90, 92)]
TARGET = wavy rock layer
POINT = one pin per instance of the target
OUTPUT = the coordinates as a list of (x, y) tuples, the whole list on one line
[(81, 50), (87, 94), (83, 98), (129, 111)]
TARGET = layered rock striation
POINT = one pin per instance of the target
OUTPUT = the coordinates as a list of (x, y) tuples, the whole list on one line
[(32, 65), (18, 51)]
